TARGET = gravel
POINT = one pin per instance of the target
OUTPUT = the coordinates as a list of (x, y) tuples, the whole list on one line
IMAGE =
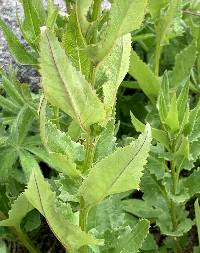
[(8, 14)]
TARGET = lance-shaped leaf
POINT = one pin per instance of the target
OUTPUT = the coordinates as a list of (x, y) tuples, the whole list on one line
[(65, 87), (35, 17), (147, 80), (18, 51), (74, 45), (183, 65), (82, 11), (159, 135), (44, 200), (125, 16), (119, 172)]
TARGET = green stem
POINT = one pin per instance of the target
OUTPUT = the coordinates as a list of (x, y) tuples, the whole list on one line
[(173, 207), (157, 58), (24, 239), (83, 222), (95, 15)]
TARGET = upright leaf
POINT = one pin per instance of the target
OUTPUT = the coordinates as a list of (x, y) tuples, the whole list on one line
[(35, 16), (82, 11), (66, 88), (112, 70), (119, 172), (125, 16), (183, 66), (147, 81), (18, 51), (74, 45)]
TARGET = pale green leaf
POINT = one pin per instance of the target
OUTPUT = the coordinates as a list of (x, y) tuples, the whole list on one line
[(172, 116), (3, 247), (21, 126), (18, 51), (183, 65), (147, 80), (8, 105), (125, 16), (155, 7), (52, 14), (44, 200), (57, 141), (74, 45), (28, 163), (57, 161), (12, 91), (119, 172), (35, 16), (83, 7), (159, 135), (112, 70), (66, 88)]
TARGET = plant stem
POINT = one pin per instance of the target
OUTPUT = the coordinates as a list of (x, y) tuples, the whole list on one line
[(95, 15), (83, 222), (26, 241), (173, 207)]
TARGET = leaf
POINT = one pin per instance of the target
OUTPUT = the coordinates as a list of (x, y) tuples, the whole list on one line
[(197, 217), (125, 16), (106, 142), (18, 211), (133, 242), (57, 161), (17, 49), (52, 14), (148, 82), (82, 11), (12, 91), (172, 116), (192, 182), (140, 208), (123, 170), (158, 134), (8, 157), (44, 200), (3, 247), (183, 102), (28, 163), (35, 17), (166, 21), (59, 142), (21, 126), (112, 70), (155, 8), (183, 65), (8, 105), (66, 88), (74, 45)]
